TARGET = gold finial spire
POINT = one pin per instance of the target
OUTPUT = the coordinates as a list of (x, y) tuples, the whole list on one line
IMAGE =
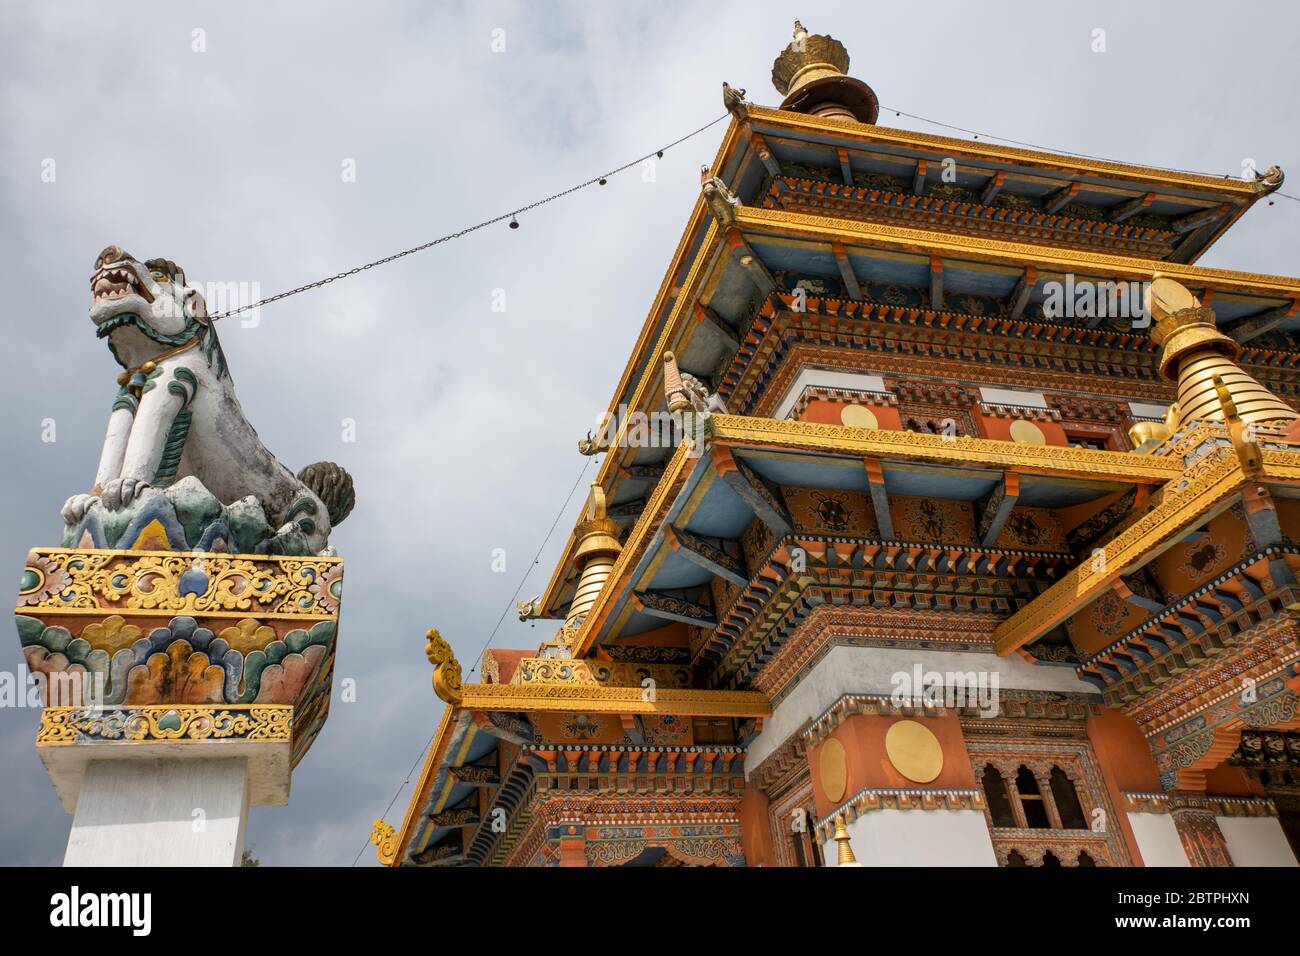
[(1195, 354), (841, 836), (598, 547), (811, 73)]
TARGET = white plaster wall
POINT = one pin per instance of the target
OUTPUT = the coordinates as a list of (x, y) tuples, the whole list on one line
[(1011, 396), (918, 838), (826, 378), (1157, 839), (1256, 841), (160, 813), (870, 670)]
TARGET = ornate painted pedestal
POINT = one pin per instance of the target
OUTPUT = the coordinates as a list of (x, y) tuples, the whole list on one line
[(180, 688)]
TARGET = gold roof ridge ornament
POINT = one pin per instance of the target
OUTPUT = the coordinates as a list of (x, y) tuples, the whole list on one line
[(1203, 363), (674, 389), (384, 837), (812, 74), (446, 669)]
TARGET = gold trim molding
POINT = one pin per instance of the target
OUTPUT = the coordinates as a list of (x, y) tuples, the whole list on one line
[(181, 723)]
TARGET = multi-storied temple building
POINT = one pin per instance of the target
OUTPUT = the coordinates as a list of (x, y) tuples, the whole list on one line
[(968, 542)]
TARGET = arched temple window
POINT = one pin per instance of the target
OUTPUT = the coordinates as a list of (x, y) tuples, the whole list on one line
[(1085, 859), (807, 852), (1031, 799), (995, 795), (1051, 859), (1067, 801), (1015, 859)]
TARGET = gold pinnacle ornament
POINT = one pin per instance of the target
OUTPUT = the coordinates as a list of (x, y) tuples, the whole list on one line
[(811, 74), (841, 836), (1195, 353), (597, 550)]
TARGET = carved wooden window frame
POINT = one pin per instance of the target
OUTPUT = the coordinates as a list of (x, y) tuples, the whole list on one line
[(1075, 759)]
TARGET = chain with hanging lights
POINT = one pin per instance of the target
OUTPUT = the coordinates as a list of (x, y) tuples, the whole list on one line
[(513, 216)]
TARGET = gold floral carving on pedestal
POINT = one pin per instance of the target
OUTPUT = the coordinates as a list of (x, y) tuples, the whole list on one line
[(68, 726)]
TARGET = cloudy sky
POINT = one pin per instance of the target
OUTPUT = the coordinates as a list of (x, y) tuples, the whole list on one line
[(229, 160)]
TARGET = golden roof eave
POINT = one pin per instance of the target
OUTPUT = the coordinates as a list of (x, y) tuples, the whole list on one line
[(883, 444), (1234, 189)]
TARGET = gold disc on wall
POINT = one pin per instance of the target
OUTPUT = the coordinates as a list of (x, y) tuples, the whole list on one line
[(834, 769), (914, 751), (858, 416), (1027, 433)]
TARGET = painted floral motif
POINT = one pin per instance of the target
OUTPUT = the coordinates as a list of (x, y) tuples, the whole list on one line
[(181, 582), (1109, 614), (666, 730), (42, 580), (831, 511), (328, 588), (183, 662)]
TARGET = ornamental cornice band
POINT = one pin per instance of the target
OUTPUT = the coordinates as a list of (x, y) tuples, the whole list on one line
[(124, 726), (1157, 802), (886, 798), (166, 583)]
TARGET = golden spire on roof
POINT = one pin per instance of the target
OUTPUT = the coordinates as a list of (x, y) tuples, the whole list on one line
[(598, 549), (811, 73), (1197, 356)]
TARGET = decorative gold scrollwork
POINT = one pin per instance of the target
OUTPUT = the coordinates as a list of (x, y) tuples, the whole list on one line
[(446, 669)]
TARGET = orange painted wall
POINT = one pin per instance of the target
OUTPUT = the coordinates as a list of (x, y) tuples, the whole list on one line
[(670, 635), (1225, 781), (755, 832), (1000, 429), (1288, 515), (1123, 752), (863, 739), (828, 413), (1125, 761)]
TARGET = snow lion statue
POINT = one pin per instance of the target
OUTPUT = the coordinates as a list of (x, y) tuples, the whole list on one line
[(182, 468)]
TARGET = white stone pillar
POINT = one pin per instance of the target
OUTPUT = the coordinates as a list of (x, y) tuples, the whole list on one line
[(160, 813)]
